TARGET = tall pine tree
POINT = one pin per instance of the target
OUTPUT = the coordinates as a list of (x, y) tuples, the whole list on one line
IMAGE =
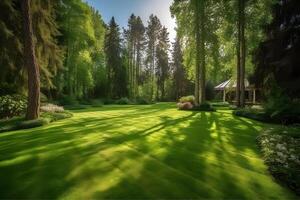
[(116, 72)]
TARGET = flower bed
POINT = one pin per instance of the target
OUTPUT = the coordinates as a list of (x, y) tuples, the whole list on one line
[(281, 152)]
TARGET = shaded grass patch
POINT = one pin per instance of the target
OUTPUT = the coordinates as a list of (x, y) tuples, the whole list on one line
[(131, 152)]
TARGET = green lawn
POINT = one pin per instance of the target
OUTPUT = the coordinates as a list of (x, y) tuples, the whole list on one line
[(152, 151)]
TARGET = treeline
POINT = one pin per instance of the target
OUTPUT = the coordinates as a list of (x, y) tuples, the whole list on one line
[(68, 39), (139, 62), (80, 57), (220, 39)]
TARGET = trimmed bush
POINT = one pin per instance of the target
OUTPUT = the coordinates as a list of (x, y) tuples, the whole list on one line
[(12, 105), (185, 106), (185, 99)]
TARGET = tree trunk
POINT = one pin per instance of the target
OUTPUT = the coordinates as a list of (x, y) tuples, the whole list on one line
[(152, 72), (197, 34), (238, 67), (163, 90), (33, 108), (202, 96), (129, 69), (138, 64), (243, 54)]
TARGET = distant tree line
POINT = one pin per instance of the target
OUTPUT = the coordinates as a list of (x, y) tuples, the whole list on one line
[(65, 50)]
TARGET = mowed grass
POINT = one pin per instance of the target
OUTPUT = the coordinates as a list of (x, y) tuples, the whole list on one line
[(151, 151)]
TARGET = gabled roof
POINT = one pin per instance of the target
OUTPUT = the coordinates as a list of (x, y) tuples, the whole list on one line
[(230, 84)]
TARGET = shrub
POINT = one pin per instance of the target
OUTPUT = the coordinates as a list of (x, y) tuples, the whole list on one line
[(56, 116), (96, 103), (185, 106), (18, 123), (9, 124), (32, 123), (220, 104), (68, 100), (185, 99), (123, 101), (12, 105), (43, 98), (84, 101), (257, 107), (142, 101), (253, 114), (204, 107), (281, 108), (76, 107), (108, 101), (233, 107), (286, 114), (281, 154), (51, 108)]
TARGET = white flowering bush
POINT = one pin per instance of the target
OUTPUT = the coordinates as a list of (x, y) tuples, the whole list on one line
[(12, 105), (281, 153), (52, 108), (185, 99)]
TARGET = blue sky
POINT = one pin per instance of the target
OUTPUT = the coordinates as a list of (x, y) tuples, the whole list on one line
[(122, 9)]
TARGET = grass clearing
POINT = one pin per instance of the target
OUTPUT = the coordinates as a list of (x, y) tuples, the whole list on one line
[(149, 151)]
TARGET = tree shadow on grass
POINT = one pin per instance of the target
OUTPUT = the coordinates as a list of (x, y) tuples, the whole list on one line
[(206, 163), (154, 152)]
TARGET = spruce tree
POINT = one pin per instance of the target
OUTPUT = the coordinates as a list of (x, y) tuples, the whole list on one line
[(162, 67), (116, 72), (12, 76), (152, 32), (179, 74), (277, 58)]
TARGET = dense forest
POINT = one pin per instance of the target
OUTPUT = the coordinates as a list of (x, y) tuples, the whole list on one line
[(80, 57), (212, 113)]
